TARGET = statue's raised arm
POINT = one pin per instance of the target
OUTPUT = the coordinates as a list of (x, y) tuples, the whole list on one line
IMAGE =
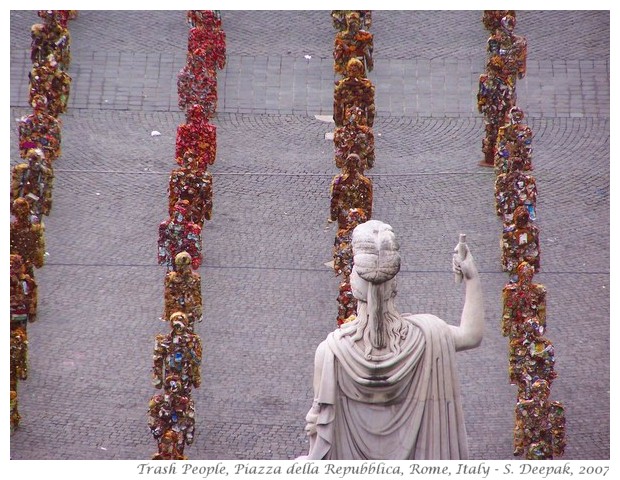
[(469, 333)]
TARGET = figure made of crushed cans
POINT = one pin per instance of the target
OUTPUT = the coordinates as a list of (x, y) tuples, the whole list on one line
[(520, 243), (177, 234), (539, 432), (342, 251), (49, 80), (213, 41), (339, 20), (178, 352), (510, 47), (39, 130), (354, 136), (513, 189), (182, 291), (531, 357), (522, 299), (514, 139), (496, 95), (492, 19), (195, 185), (23, 290), (198, 136), (197, 83), (353, 43), (33, 181), (354, 90), (27, 238), (171, 419), (50, 38), (350, 189)]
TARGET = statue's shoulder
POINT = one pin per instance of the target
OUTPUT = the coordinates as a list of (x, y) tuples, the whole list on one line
[(425, 321)]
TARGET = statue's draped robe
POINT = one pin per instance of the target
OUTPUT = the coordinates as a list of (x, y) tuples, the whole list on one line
[(405, 406)]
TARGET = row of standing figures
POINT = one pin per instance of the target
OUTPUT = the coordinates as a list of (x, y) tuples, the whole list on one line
[(539, 431), (177, 355), (351, 191), (39, 135)]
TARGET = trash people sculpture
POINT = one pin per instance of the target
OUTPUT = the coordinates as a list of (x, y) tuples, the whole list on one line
[(194, 184), (27, 238), (496, 95), (177, 234), (182, 291), (178, 353), (385, 384), (350, 189), (353, 43), (39, 130), (172, 420), (354, 136), (354, 90), (33, 181)]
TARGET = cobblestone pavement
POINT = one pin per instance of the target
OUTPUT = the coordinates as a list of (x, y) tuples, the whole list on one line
[(268, 297)]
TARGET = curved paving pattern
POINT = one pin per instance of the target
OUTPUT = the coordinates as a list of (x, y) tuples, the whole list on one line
[(268, 297)]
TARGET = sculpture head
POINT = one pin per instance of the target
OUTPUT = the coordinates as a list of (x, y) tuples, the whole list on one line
[(180, 210), (189, 159), (515, 115), (508, 23), (195, 113), (376, 261), (20, 208), (355, 216), (521, 216), (39, 102), (354, 22), (353, 163), (35, 157), (525, 272), (36, 30), (205, 19), (532, 328), (355, 68), (540, 389), (172, 384), (178, 322), (183, 261)]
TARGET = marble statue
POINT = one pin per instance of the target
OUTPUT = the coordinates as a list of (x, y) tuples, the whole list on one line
[(385, 384)]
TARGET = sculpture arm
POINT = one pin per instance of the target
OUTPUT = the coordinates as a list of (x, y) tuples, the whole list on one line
[(313, 413), (470, 330)]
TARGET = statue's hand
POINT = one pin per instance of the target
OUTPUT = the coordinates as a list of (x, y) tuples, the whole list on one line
[(463, 262)]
